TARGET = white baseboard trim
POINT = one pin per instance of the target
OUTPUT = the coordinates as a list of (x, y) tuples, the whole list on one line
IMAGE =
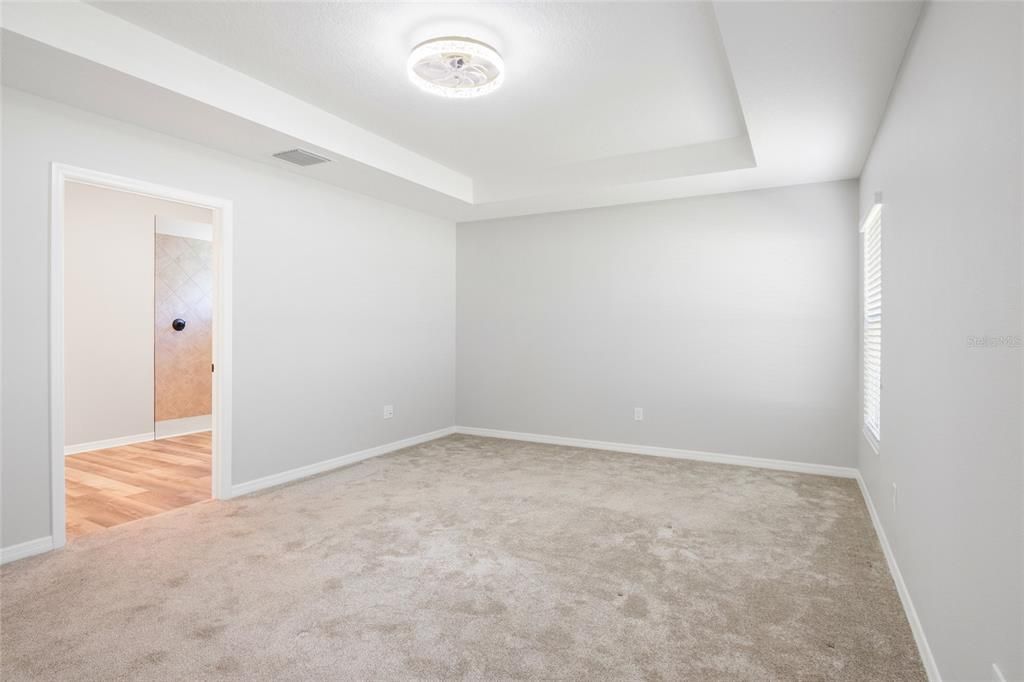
[(25, 549), (108, 443), (930, 667), (170, 428), (335, 463), (673, 453)]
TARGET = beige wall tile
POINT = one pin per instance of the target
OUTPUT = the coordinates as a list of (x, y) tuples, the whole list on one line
[(184, 285)]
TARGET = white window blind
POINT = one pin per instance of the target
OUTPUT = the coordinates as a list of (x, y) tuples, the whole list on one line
[(872, 231)]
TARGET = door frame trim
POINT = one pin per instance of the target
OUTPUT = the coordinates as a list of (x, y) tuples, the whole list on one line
[(223, 210)]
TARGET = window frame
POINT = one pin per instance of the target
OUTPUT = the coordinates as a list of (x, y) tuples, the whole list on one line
[(871, 326)]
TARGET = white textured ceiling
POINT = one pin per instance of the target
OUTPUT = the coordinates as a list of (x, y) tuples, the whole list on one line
[(605, 103), (585, 81)]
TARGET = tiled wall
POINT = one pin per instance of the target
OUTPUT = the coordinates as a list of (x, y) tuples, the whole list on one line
[(184, 289)]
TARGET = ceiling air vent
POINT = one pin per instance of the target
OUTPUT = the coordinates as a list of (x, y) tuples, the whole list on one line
[(300, 157)]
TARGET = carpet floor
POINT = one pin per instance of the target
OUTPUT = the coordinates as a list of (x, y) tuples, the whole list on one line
[(482, 559)]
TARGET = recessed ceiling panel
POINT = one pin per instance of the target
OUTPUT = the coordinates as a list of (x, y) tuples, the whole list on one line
[(583, 81)]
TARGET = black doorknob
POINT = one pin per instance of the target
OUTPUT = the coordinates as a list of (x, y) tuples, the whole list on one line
[(178, 324)]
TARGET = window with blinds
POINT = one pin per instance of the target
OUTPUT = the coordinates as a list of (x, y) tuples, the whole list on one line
[(872, 303)]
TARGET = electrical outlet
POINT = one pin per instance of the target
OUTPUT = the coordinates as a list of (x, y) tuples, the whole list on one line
[(895, 496), (389, 411), (638, 414)]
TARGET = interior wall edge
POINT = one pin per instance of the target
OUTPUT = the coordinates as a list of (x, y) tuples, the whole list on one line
[(183, 426), (299, 473), (26, 549), (923, 648), (670, 453), (76, 448)]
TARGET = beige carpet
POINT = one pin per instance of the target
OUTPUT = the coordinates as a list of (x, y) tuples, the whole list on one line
[(477, 558)]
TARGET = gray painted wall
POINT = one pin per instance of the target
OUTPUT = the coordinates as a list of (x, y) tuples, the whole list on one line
[(731, 319), (342, 304), (948, 162)]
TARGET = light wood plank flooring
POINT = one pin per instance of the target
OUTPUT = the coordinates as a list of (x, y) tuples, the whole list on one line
[(109, 487)]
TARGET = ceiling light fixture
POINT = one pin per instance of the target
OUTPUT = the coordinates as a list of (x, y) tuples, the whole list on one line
[(456, 67)]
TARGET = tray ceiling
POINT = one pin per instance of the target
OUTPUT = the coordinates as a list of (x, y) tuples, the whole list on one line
[(604, 103)]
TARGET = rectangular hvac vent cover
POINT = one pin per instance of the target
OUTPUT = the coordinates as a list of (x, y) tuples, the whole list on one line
[(300, 157)]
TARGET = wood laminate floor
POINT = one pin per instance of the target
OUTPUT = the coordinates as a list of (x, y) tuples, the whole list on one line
[(113, 486)]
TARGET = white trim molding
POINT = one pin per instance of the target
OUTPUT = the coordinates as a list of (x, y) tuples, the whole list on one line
[(673, 453), (222, 254), (25, 549), (168, 428), (189, 229), (925, 651), (336, 462), (183, 426), (107, 443)]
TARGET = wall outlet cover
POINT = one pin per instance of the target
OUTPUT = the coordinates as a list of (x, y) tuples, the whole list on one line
[(389, 411), (638, 414)]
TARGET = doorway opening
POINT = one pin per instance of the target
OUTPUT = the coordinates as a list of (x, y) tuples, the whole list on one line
[(140, 352)]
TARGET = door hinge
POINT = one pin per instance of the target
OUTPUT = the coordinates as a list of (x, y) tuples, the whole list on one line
[(211, 366)]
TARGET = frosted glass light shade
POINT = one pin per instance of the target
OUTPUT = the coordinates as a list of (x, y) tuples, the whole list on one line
[(456, 67)]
